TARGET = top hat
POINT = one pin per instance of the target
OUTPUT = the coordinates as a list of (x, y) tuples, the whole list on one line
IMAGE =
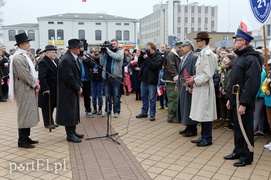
[(49, 48), (241, 33), (74, 43), (202, 35), (188, 43), (21, 38)]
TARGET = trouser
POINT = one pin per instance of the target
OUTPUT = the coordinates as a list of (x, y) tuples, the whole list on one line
[(172, 101), (24, 134), (86, 95), (192, 128), (240, 145), (45, 116), (259, 114), (268, 112), (5, 88), (70, 130), (206, 131)]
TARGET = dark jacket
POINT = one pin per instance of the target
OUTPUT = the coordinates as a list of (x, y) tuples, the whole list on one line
[(171, 66), (150, 68), (87, 66), (246, 72), (68, 86), (4, 70), (97, 70), (48, 81)]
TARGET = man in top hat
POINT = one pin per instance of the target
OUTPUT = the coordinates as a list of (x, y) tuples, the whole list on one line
[(203, 106), (171, 70), (24, 86), (68, 90), (246, 72), (187, 69), (48, 85)]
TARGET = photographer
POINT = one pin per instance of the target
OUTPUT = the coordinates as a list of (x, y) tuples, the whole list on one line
[(148, 74), (111, 58), (85, 63)]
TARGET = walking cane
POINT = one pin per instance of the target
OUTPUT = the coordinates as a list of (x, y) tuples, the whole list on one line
[(49, 110)]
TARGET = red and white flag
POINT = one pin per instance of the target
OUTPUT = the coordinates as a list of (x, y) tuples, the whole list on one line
[(245, 25), (160, 91)]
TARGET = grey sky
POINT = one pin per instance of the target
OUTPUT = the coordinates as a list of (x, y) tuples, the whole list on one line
[(231, 12)]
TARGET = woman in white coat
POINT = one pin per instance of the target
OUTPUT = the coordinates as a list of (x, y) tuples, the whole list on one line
[(203, 106)]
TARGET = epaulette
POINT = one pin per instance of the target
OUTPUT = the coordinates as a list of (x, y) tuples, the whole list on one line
[(208, 52)]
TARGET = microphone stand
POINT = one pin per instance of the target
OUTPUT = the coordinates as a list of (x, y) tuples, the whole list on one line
[(108, 126)]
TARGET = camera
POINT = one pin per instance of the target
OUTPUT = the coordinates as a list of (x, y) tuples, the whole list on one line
[(106, 44)]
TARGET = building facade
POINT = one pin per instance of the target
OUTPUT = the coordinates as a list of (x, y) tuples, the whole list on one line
[(58, 29), (186, 19)]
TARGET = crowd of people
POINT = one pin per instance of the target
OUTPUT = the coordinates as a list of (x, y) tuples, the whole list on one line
[(193, 86)]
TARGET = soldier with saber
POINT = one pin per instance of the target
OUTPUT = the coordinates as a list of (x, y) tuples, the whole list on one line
[(245, 83)]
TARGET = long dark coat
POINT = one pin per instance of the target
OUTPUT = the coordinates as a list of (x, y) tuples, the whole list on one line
[(68, 86), (48, 81), (184, 97)]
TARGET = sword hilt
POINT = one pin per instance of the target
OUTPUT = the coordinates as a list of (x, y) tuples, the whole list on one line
[(235, 89)]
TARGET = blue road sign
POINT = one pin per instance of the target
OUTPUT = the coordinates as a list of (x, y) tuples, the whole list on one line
[(261, 9)]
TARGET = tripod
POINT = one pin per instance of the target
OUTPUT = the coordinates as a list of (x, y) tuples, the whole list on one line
[(110, 136)]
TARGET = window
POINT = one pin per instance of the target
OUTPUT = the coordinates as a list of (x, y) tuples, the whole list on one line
[(98, 24), (59, 22), (50, 22), (126, 35), (32, 51), (98, 35), (81, 34), (51, 34), (21, 31), (118, 24), (80, 23), (31, 35), (126, 24), (11, 35), (118, 35), (60, 34)]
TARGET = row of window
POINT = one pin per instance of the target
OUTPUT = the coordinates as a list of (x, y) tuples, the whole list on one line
[(12, 33), (59, 34), (82, 23)]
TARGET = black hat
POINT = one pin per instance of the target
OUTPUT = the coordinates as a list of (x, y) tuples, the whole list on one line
[(21, 38), (49, 48), (74, 43), (202, 35)]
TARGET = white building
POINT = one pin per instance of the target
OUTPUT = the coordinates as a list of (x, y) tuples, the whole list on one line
[(186, 19), (58, 29)]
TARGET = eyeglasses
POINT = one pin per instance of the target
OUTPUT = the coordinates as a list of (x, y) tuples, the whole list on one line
[(120, 47), (198, 40), (237, 40)]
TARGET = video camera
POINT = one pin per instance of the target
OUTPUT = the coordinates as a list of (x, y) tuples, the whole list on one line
[(85, 44), (106, 44)]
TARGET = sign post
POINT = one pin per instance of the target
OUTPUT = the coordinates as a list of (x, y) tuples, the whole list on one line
[(261, 10)]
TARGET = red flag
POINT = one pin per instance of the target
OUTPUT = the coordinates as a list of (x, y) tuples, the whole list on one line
[(84, 0), (160, 91), (186, 75)]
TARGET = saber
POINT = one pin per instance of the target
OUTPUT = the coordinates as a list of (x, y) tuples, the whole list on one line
[(236, 91)]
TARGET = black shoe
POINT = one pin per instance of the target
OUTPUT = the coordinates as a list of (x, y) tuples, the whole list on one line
[(203, 143), (56, 125), (241, 163), (79, 135), (152, 118), (52, 127), (141, 116), (73, 138), (30, 141), (25, 145), (231, 156), (3, 100), (196, 141), (183, 131), (190, 134)]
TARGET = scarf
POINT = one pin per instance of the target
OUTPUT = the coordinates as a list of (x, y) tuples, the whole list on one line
[(11, 78)]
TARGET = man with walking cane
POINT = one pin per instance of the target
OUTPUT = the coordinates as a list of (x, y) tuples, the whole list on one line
[(48, 83), (244, 85)]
